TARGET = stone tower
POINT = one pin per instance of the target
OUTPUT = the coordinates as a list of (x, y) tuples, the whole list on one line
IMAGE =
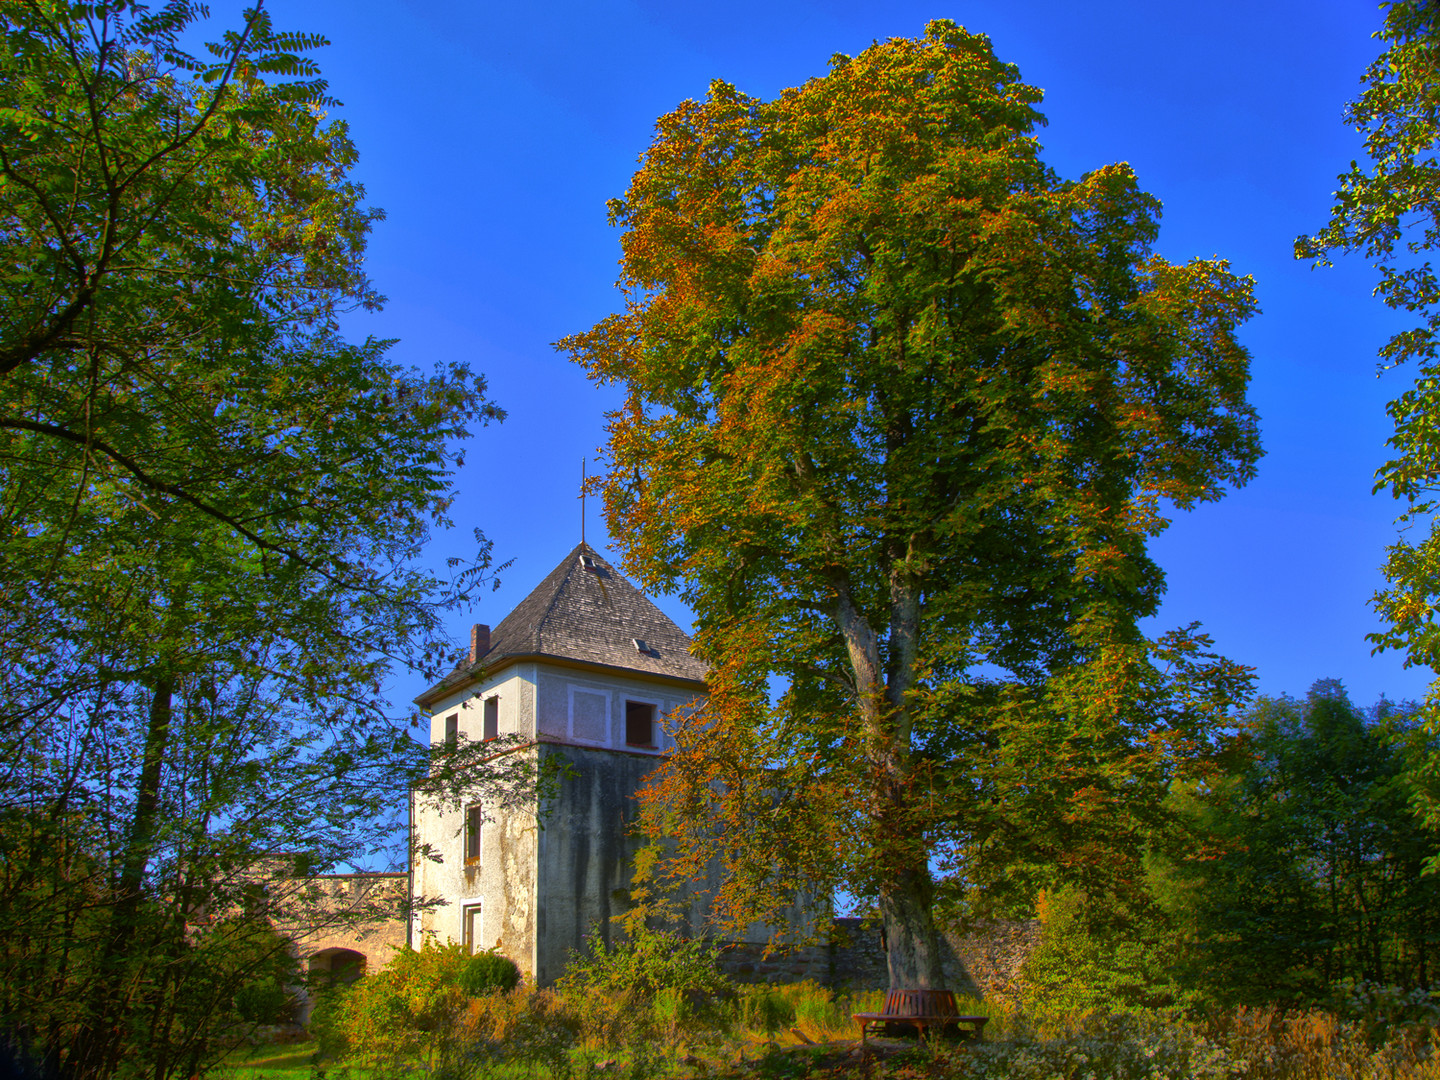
[(584, 668)]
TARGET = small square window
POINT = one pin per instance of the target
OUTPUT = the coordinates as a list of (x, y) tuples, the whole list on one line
[(452, 729), (639, 724), (492, 718), (474, 824)]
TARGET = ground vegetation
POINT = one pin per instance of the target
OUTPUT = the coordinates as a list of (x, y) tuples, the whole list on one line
[(596, 1023)]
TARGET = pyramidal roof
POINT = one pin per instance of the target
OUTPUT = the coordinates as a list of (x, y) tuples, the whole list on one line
[(586, 612)]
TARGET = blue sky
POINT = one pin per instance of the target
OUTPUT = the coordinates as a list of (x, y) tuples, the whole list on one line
[(492, 135)]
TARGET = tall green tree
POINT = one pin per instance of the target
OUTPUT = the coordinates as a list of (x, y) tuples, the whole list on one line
[(1388, 209), (901, 403), (1317, 870), (211, 507)]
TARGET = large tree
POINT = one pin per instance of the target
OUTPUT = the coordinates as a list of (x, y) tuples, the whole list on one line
[(210, 511), (902, 407), (1388, 209)]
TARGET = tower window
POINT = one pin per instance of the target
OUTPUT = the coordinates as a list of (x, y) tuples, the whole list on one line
[(470, 918), (639, 724), (474, 823), (492, 718)]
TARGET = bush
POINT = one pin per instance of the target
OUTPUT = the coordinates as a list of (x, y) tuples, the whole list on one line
[(325, 1027), (264, 1001), (410, 1010), (529, 1029), (488, 972), (764, 1009), (1119, 1047), (1380, 1010), (649, 986), (647, 962), (1278, 1044)]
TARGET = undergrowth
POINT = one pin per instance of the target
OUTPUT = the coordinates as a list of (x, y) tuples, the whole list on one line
[(659, 1012)]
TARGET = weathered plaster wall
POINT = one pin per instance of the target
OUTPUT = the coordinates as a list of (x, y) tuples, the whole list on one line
[(586, 852), (515, 686), (588, 708), (502, 881), (541, 892)]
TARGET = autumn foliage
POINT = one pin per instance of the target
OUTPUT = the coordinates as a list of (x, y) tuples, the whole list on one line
[(903, 407)]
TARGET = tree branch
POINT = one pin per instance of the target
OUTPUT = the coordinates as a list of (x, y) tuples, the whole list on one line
[(156, 484)]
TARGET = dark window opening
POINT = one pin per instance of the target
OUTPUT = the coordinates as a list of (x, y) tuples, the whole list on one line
[(639, 724), (492, 718), (470, 919), (452, 729), (474, 823)]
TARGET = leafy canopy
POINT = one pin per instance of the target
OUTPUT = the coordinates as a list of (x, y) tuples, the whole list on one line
[(1388, 209), (902, 407), (210, 510)]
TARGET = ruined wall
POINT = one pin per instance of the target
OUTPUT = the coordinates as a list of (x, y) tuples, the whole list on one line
[(993, 952), (981, 961), (361, 913)]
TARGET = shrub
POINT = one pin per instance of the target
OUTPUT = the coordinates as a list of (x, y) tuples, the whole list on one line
[(649, 986), (264, 1001), (325, 1025), (1277, 1044), (409, 1010), (488, 972), (647, 962), (529, 1029), (1118, 1047), (764, 1009), (1380, 1009)]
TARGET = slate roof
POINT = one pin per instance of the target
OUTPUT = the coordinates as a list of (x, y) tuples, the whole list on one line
[(588, 614)]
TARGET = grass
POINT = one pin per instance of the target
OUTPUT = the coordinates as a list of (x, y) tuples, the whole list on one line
[(805, 1030), (274, 1060)]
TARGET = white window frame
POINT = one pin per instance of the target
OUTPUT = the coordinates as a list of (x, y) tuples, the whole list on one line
[(484, 706), (658, 733), (474, 942), (570, 715)]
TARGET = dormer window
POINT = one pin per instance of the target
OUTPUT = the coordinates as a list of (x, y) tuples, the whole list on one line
[(640, 724), (587, 562), (452, 729)]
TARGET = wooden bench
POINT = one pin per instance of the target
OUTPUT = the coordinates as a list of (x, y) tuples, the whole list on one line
[(922, 1010)]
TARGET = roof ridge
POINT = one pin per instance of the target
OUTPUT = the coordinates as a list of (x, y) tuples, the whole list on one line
[(559, 588)]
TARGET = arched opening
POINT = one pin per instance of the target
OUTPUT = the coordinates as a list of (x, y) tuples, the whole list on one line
[(336, 967)]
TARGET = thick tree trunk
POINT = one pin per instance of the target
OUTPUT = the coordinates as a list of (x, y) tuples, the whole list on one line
[(912, 944)]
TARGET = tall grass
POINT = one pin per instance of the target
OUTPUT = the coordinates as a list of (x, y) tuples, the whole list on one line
[(557, 1035)]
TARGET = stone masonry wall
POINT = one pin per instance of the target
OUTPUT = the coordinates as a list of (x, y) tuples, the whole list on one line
[(983, 961)]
